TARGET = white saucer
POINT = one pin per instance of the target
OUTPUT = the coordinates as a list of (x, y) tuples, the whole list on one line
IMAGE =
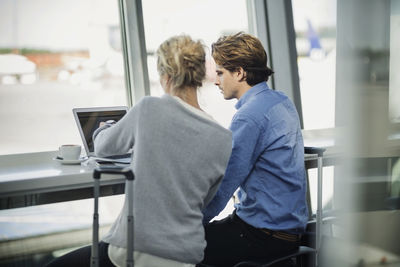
[(70, 161)]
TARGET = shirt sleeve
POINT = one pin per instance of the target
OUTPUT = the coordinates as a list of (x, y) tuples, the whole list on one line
[(245, 135)]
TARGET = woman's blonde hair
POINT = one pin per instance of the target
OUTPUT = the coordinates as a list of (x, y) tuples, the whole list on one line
[(183, 61)]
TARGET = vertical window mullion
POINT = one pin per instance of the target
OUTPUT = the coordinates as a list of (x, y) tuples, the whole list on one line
[(274, 26), (134, 50)]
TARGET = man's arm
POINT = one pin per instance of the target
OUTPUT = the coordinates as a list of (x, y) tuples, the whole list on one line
[(245, 135)]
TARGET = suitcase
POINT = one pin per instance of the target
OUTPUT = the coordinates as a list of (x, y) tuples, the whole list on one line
[(320, 153), (127, 172)]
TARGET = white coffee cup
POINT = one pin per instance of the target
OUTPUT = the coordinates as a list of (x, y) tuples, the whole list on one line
[(70, 152)]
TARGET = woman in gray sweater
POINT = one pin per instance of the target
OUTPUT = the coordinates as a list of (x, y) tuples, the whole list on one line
[(179, 157)]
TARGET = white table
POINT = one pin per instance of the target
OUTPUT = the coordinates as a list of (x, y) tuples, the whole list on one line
[(35, 178)]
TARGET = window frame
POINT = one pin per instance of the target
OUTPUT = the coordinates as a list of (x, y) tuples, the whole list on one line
[(268, 20), (134, 50)]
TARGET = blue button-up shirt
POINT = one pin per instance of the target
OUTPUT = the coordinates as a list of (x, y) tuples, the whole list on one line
[(267, 163)]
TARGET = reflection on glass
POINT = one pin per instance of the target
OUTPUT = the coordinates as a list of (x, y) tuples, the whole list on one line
[(32, 236), (367, 181), (55, 56)]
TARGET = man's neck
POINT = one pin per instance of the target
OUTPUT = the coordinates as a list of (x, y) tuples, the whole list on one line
[(244, 87)]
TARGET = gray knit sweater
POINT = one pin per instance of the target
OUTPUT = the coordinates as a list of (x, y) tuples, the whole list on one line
[(179, 161)]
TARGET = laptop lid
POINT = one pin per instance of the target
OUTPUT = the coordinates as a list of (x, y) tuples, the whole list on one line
[(88, 120)]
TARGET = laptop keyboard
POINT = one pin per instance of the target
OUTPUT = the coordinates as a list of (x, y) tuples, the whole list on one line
[(123, 156)]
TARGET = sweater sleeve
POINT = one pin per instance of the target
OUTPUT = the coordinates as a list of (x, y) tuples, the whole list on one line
[(119, 138)]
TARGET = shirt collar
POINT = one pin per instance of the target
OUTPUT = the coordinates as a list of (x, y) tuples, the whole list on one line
[(251, 92)]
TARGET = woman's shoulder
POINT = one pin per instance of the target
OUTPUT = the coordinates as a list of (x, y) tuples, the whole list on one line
[(149, 100), (151, 107)]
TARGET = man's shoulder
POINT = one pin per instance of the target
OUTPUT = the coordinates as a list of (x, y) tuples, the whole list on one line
[(264, 107), (261, 103)]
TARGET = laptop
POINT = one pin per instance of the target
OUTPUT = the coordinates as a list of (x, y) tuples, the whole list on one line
[(88, 120)]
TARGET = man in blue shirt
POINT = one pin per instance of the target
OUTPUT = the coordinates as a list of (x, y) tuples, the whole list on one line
[(267, 162)]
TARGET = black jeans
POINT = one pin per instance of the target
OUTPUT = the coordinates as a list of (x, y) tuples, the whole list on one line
[(81, 258), (231, 240)]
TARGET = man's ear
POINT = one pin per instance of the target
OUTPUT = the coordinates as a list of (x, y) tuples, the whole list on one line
[(241, 74)]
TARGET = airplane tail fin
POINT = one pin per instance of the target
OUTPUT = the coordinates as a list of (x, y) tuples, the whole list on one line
[(314, 40)]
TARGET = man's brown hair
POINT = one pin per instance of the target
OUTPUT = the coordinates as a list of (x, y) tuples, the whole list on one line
[(242, 50)]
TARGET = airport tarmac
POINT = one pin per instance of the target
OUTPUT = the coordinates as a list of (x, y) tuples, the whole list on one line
[(39, 117)]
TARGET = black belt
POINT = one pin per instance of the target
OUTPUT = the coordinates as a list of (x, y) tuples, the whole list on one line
[(282, 235), (277, 234)]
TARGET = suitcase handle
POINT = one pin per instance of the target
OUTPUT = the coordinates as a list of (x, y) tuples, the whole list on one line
[(127, 172), (314, 150)]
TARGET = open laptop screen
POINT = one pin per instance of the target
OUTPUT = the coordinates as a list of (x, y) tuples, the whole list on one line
[(88, 121)]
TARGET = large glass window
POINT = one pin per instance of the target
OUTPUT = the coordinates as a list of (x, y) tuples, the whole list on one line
[(201, 20), (315, 26), (54, 56), (367, 100)]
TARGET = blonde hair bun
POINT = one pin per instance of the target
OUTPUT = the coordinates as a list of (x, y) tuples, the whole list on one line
[(183, 61)]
